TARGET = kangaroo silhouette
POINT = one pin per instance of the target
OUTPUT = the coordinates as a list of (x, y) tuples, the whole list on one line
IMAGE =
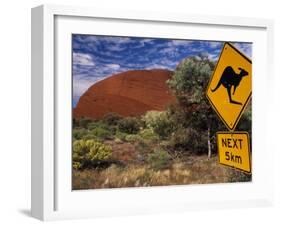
[(228, 79)]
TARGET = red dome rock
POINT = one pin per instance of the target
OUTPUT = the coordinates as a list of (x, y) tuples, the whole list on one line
[(129, 93)]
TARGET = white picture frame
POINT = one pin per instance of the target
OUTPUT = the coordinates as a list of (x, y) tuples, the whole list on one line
[(52, 197)]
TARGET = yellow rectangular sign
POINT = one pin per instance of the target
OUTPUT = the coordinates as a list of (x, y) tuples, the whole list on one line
[(234, 150)]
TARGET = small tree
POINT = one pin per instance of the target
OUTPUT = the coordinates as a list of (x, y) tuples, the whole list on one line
[(159, 122), (189, 83), (83, 122), (129, 125), (111, 118)]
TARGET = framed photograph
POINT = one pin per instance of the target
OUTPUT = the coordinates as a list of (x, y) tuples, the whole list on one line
[(137, 112)]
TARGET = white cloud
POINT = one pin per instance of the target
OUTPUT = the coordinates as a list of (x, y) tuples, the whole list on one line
[(179, 42), (167, 50), (157, 66), (113, 66), (82, 59), (214, 45), (168, 63), (82, 84), (115, 47), (246, 48), (146, 40), (86, 38), (117, 40), (170, 51), (213, 57)]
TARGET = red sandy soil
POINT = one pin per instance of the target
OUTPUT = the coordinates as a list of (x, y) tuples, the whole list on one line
[(123, 151), (129, 93)]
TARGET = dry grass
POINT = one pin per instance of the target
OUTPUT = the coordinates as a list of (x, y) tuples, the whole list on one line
[(197, 170)]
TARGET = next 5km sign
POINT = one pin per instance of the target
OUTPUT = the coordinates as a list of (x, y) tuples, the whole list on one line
[(234, 150)]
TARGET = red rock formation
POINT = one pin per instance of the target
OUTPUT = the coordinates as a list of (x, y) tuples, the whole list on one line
[(129, 93)]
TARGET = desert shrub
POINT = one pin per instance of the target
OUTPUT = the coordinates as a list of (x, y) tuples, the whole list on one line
[(98, 150), (76, 165), (165, 144), (189, 139), (101, 130), (101, 133), (118, 140), (159, 159), (86, 152), (111, 118), (120, 135), (143, 147), (90, 136), (129, 125), (133, 138), (159, 122), (83, 122), (78, 133), (75, 122), (180, 140), (148, 134), (96, 124)]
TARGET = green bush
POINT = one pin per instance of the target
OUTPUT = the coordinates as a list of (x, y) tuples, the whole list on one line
[(76, 165), (180, 139), (111, 118), (129, 125), (100, 124), (78, 133), (159, 159), (143, 146), (133, 138), (75, 122), (96, 124), (120, 135), (101, 133), (159, 122), (83, 122), (86, 152), (189, 139), (148, 134), (90, 136)]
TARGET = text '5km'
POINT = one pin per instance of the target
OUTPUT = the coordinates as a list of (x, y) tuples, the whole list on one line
[(234, 150)]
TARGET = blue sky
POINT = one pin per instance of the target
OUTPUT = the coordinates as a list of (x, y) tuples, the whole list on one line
[(98, 57)]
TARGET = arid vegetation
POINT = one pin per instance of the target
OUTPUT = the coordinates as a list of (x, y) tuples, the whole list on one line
[(171, 147)]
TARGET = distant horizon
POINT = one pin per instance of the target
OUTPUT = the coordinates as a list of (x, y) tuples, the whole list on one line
[(96, 57)]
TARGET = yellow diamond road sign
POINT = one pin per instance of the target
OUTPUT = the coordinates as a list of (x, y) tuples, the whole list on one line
[(234, 150), (230, 87)]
